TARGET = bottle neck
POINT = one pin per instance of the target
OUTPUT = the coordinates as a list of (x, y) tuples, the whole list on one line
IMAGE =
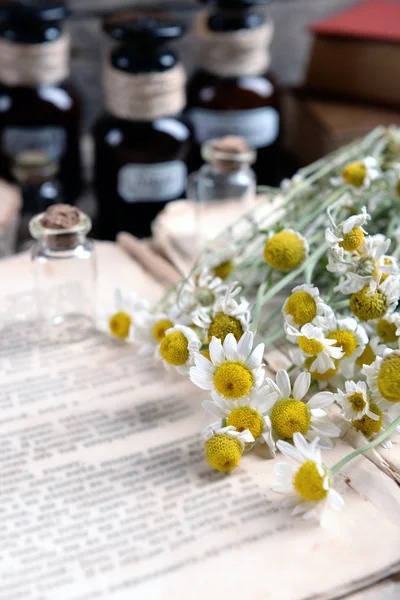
[(144, 86), (33, 56), (235, 43)]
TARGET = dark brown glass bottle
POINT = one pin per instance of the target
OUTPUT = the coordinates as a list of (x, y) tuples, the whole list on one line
[(38, 115), (140, 163), (243, 105)]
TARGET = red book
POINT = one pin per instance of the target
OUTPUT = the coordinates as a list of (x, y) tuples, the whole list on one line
[(356, 53), (374, 19)]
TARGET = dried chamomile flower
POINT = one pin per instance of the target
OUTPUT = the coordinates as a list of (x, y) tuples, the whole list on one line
[(234, 370), (306, 481), (370, 304), (355, 402), (201, 290), (290, 413), (127, 306), (304, 305), (312, 341), (359, 174), (246, 413), (388, 328), (286, 250), (178, 348), (383, 377), (149, 329), (223, 446), (228, 315), (349, 235)]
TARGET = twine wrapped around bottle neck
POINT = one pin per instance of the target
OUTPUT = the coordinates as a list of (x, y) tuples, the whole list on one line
[(34, 64), (240, 53), (145, 96)]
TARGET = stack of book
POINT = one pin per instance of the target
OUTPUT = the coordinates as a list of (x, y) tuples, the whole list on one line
[(352, 82)]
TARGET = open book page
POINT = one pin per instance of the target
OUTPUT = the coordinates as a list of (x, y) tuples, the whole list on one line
[(105, 492)]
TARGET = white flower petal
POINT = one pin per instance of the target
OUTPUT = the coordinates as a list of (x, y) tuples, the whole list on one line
[(283, 381), (230, 347), (245, 345), (301, 385), (325, 428), (321, 400), (216, 351)]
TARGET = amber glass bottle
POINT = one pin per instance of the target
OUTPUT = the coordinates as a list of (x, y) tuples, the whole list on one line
[(39, 110), (233, 93), (142, 146)]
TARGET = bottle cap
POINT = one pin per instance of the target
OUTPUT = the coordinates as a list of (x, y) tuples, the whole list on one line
[(137, 25), (33, 10)]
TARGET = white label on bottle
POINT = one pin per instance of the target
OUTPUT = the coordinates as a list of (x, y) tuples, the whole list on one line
[(49, 139), (258, 126), (152, 182)]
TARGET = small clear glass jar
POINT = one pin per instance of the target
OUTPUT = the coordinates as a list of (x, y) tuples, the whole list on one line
[(65, 279), (224, 187)]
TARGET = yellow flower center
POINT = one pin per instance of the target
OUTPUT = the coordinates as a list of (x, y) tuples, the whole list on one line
[(367, 308), (223, 452), (308, 346), (368, 426), (367, 357), (302, 307), (352, 240), (387, 331), (308, 483), (389, 378), (289, 416), (120, 324), (354, 173), (245, 417), (233, 380), (285, 251), (321, 376), (344, 339), (160, 328), (357, 401), (174, 349), (224, 269), (223, 324)]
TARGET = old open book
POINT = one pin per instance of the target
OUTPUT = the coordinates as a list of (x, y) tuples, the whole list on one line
[(104, 493)]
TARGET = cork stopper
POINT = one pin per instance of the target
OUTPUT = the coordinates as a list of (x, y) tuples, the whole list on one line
[(231, 144), (60, 216), (61, 225), (228, 153)]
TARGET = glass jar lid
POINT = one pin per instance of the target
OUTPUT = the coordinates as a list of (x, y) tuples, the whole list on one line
[(228, 153), (52, 225)]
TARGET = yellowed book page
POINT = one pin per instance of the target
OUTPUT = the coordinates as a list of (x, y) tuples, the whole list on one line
[(105, 493)]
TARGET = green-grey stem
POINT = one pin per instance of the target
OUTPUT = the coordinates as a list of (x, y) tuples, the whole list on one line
[(378, 440)]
